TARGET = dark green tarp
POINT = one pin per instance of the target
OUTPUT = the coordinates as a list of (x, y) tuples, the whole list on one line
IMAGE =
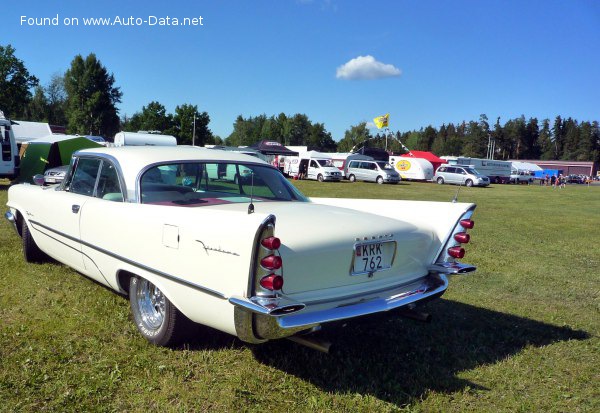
[(39, 156)]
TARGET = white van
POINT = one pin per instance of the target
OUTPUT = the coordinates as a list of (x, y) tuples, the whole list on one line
[(416, 169), (320, 169), (312, 165), (9, 159)]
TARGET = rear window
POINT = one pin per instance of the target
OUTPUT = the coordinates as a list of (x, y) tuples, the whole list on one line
[(214, 183)]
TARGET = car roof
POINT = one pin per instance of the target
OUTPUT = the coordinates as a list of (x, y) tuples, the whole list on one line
[(146, 155), (133, 159)]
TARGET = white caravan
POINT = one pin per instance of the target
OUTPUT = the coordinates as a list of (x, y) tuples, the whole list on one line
[(416, 169), (144, 139)]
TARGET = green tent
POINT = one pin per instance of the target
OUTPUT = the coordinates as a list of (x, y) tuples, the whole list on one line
[(56, 150)]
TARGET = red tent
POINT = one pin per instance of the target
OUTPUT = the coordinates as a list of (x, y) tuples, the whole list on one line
[(434, 159)]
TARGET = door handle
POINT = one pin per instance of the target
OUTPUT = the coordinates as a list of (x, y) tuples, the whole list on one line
[(75, 208)]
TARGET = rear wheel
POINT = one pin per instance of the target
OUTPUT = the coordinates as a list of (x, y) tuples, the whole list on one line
[(31, 252), (159, 321), (440, 180), (352, 178), (320, 178), (379, 180), (469, 183)]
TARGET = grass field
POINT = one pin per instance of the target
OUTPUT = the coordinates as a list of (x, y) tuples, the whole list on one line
[(519, 335)]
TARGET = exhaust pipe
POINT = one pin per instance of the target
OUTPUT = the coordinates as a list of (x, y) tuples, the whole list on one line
[(312, 342), (414, 315)]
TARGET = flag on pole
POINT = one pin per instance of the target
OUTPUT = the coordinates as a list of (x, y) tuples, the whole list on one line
[(382, 121)]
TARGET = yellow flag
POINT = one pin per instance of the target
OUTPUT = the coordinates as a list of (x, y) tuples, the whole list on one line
[(382, 121)]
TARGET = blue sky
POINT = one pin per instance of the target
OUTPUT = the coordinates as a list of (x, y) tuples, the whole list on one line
[(339, 62)]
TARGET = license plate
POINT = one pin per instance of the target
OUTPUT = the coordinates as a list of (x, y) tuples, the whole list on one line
[(370, 257)]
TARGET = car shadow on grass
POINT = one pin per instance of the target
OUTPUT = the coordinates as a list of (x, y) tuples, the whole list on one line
[(399, 360)]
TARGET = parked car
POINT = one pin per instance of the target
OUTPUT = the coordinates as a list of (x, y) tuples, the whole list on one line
[(575, 179), (55, 175), (461, 175), (322, 170), (371, 171), (254, 257)]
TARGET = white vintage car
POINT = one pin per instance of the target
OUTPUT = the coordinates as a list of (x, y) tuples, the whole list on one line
[(224, 240)]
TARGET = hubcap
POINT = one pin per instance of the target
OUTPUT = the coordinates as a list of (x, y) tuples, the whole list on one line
[(151, 303)]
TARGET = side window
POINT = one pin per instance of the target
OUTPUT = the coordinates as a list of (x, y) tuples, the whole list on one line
[(84, 177), (109, 187), (461, 171), (442, 169), (451, 170), (313, 164)]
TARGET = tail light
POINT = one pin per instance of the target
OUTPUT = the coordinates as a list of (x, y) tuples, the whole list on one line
[(268, 267), (467, 223), (271, 262), (272, 243), (456, 252), (462, 237), (272, 282), (453, 249)]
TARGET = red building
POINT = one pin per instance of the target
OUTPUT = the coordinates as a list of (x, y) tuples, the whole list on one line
[(568, 167)]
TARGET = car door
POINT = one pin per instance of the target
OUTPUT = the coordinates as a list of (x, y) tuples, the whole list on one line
[(461, 175), (450, 175), (59, 215), (313, 169)]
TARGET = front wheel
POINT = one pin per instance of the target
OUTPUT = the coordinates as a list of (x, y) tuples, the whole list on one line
[(379, 180), (31, 251), (320, 178), (352, 178), (440, 180), (159, 321), (469, 183)]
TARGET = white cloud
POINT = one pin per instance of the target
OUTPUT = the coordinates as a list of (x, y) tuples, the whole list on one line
[(366, 67)]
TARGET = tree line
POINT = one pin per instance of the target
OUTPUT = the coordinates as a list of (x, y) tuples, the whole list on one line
[(85, 99), (519, 138)]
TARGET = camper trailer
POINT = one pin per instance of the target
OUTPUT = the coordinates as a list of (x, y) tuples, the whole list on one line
[(9, 162), (144, 139), (415, 169)]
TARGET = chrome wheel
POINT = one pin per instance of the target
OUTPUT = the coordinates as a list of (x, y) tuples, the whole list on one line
[(151, 304)]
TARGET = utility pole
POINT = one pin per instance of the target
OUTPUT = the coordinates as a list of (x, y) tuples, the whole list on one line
[(194, 133)]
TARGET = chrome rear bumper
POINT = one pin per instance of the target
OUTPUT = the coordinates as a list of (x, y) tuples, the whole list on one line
[(257, 324)]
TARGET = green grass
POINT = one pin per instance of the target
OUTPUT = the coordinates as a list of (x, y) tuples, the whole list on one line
[(521, 334)]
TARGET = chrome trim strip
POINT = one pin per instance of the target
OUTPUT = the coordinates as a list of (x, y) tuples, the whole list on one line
[(137, 264)]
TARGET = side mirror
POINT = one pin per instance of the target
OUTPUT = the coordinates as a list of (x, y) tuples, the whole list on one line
[(38, 180)]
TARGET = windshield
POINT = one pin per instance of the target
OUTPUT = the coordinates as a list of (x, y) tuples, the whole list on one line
[(384, 165), (472, 171), (214, 183), (324, 162)]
